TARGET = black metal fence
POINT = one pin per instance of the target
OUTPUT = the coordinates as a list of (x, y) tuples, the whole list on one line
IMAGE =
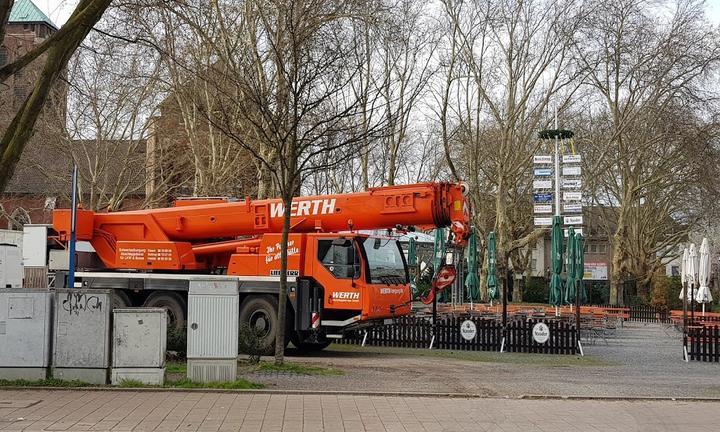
[(562, 338), (703, 343), (418, 332), (641, 313)]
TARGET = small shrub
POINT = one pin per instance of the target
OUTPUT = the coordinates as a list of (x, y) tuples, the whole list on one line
[(250, 342), (536, 290), (177, 343)]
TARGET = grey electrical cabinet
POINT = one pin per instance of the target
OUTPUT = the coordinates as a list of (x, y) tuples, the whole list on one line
[(81, 342), (138, 345), (212, 331), (25, 333), (11, 268)]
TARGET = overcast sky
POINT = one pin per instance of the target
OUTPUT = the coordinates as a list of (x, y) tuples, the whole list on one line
[(60, 10)]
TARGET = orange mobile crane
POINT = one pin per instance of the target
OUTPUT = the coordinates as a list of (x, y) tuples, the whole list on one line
[(338, 278)]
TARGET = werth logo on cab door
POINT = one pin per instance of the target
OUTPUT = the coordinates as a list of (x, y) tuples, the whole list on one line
[(346, 296)]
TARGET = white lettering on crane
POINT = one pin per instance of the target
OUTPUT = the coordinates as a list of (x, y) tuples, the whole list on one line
[(304, 208)]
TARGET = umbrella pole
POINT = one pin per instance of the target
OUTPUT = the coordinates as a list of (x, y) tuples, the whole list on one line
[(684, 290), (577, 306), (434, 311), (504, 310), (692, 306)]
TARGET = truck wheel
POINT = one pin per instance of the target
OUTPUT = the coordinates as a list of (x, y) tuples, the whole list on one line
[(260, 313), (119, 299), (173, 304)]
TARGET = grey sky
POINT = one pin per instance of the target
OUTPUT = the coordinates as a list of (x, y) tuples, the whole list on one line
[(59, 10)]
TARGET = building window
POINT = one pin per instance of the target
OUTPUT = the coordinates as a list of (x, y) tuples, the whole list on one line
[(533, 264), (675, 271), (19, 218), (593, 248), (602, 248)]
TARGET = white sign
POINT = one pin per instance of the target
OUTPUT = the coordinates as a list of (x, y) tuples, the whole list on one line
[(468, 330), (572, 183), (572, 208), (541, 333), (572, 196), (542, 208), (543, 159), (572, 159), (571, 171), (543, 221), (542, 184), (573, 220), (577, 231), (595, 271)]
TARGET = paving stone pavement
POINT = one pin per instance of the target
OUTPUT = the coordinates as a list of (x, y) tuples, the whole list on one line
[(70, 410)]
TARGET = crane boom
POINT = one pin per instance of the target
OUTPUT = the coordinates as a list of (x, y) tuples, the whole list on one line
[(182, 237)]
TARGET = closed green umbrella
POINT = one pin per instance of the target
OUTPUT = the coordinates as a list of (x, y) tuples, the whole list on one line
[(439, 257), (472, 282), (412, 253), (439, 249), (580, 266), (412, 263), (493, 292), (570, 267), (556, 251)]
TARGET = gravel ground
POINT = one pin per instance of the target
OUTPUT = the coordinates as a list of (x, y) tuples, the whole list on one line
[(640, 360)]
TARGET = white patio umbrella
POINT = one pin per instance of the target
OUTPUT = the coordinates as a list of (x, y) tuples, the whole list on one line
[(703, 295), (692, 270), (683, 275)]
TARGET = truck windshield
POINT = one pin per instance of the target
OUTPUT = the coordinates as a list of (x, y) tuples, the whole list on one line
[(385, 261)]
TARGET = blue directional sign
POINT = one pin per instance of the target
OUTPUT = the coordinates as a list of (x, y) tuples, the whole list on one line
[(543, 172), (542, 197)]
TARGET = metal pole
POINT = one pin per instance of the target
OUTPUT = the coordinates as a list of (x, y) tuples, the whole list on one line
[(577, 304), (73, 219), (692, 305), (434, 311), (557, 168), (504, 295)]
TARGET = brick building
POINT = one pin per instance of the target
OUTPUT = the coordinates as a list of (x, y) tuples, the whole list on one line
[(41, 180), (27, 28)]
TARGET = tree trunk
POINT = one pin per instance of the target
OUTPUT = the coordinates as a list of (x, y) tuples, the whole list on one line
[(20, 130), (282, 295)]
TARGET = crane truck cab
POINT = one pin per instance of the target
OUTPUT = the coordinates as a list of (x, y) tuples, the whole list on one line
[(338, 278)]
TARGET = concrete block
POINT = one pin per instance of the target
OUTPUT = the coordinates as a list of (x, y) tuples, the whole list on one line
[(150, 376), (21, 373), (86, 375), (212, 370)]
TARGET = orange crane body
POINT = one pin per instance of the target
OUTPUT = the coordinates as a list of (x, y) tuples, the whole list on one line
[(357, 275)]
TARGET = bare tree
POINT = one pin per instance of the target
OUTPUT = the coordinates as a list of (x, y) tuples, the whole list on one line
[(505, 66), (648, 68), (58, 49), (281, 87)]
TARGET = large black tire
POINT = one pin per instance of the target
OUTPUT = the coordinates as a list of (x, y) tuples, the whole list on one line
[(120, 299), (260, 312), (173, 304)]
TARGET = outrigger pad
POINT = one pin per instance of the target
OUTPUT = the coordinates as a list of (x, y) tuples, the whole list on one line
[(556, 133)]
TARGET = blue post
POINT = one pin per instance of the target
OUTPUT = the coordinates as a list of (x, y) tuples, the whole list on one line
[(73, 217)]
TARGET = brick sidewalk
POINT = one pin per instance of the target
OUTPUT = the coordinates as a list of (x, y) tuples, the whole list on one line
[(190, 411)]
